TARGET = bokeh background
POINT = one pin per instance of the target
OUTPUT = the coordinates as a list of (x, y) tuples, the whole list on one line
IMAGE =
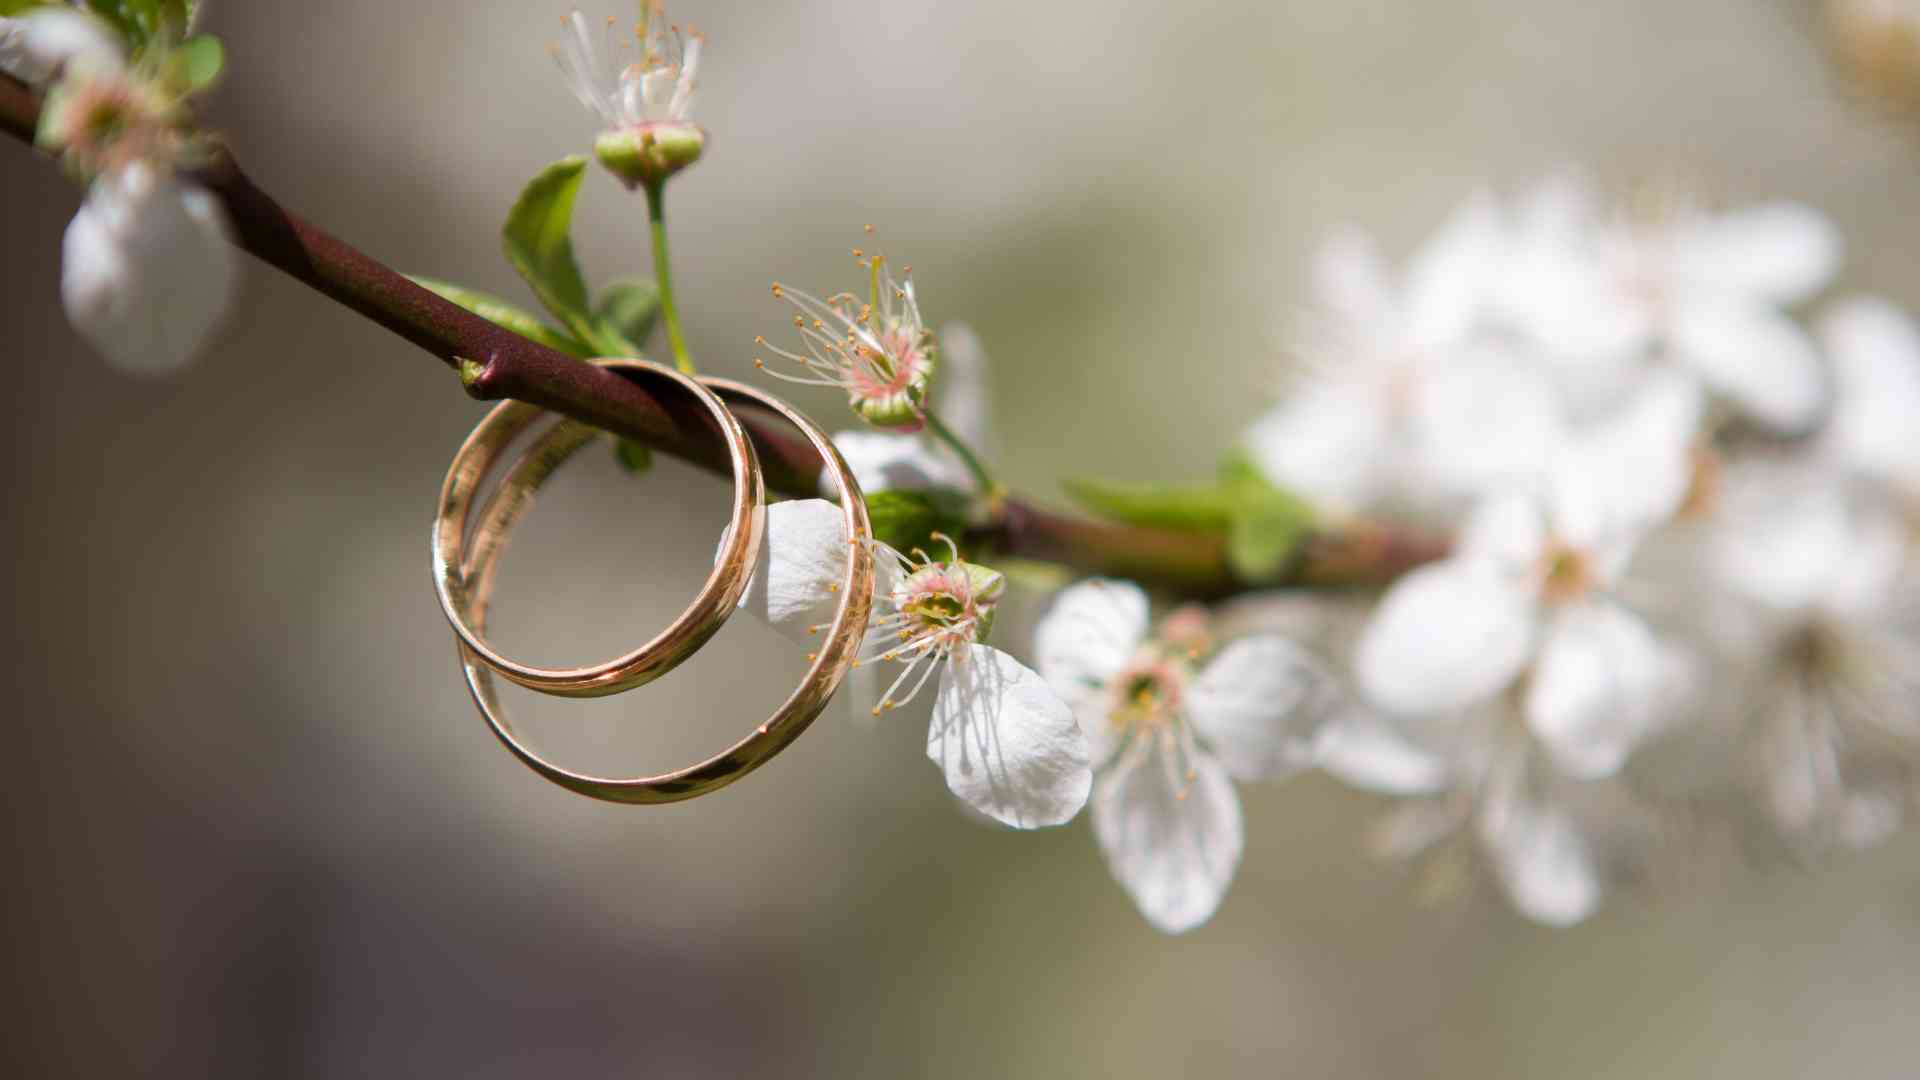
[(253, 827)]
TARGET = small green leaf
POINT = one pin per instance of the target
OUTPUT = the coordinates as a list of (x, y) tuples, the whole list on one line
[(1264, 525), (1188, 509), (501, 313), (538, 243), (198, 62), (10, 8), (625, 315), (634, 457), (906, 520), (1264, 538), (1268, 523)]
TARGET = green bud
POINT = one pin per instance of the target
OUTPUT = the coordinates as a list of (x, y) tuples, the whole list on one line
[(650, 153)]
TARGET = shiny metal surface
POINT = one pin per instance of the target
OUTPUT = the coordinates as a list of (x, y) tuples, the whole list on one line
[(840, 645), (709, 610)]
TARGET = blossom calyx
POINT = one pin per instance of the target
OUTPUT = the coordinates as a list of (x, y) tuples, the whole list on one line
[(648, 154)]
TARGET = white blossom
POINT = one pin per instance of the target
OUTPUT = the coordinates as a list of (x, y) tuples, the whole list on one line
[(147, 271), (146, 268), (1875, 351), (1834, 728), (1532, 587), (1007, 744), (1169, 736), (40, 43), (1481, 788), (655, 89), (1402, 397), (878, 351), (1697, 291), (895, 461)]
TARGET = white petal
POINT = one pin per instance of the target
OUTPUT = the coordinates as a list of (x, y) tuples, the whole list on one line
[(1595, 689), (1172, 837), (803, 562), (1506, 532), (1451, 276), (1542, 861), (1631, 471), (1565, 300), (146, 270), (1754, 355), (1875, 348), (1778, 252), (39, 43), (1879, 548), (1787, 554), (1009, 746), (886, 462), (966, 387), (1349, 278), (1368, 752), (1487, 423), (1446, 636), (1329, 443), (1088, 635), (1260, 705)]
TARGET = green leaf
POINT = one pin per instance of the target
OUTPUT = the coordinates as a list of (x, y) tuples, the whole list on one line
[(625, 315), (634, 457), (1264, 538), (197, 62), (1268, 523), (538, 242), (908, 519), (1187, 509), (1264, 524), (14, 7), (501, 313)]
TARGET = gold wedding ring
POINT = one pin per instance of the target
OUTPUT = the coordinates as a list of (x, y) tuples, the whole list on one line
[(478, 548), (699, 622)]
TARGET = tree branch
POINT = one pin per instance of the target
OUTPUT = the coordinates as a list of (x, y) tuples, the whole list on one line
[(506, 365)]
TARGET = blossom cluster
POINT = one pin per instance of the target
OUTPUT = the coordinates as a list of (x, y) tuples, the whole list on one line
[(1681, 573), (147, 272)]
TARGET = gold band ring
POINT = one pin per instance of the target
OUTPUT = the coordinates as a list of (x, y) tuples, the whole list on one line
[(699, 622), (838, 649)]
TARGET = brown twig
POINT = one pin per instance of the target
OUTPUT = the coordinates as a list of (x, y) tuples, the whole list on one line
[(497, 363)]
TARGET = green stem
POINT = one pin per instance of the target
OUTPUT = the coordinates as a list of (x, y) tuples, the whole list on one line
[(989, 487), (663, 276)]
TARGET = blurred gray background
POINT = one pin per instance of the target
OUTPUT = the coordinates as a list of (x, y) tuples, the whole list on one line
[(255, 829)]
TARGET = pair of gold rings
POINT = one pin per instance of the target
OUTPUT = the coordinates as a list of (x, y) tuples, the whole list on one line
[(468, 542)]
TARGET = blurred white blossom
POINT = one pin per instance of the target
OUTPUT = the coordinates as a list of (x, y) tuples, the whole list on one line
[(1531, 588), (1606, 296), (147, 270), (1834, 683), (1170, 734), (38, 44), (645, 105), (1401, 397)]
